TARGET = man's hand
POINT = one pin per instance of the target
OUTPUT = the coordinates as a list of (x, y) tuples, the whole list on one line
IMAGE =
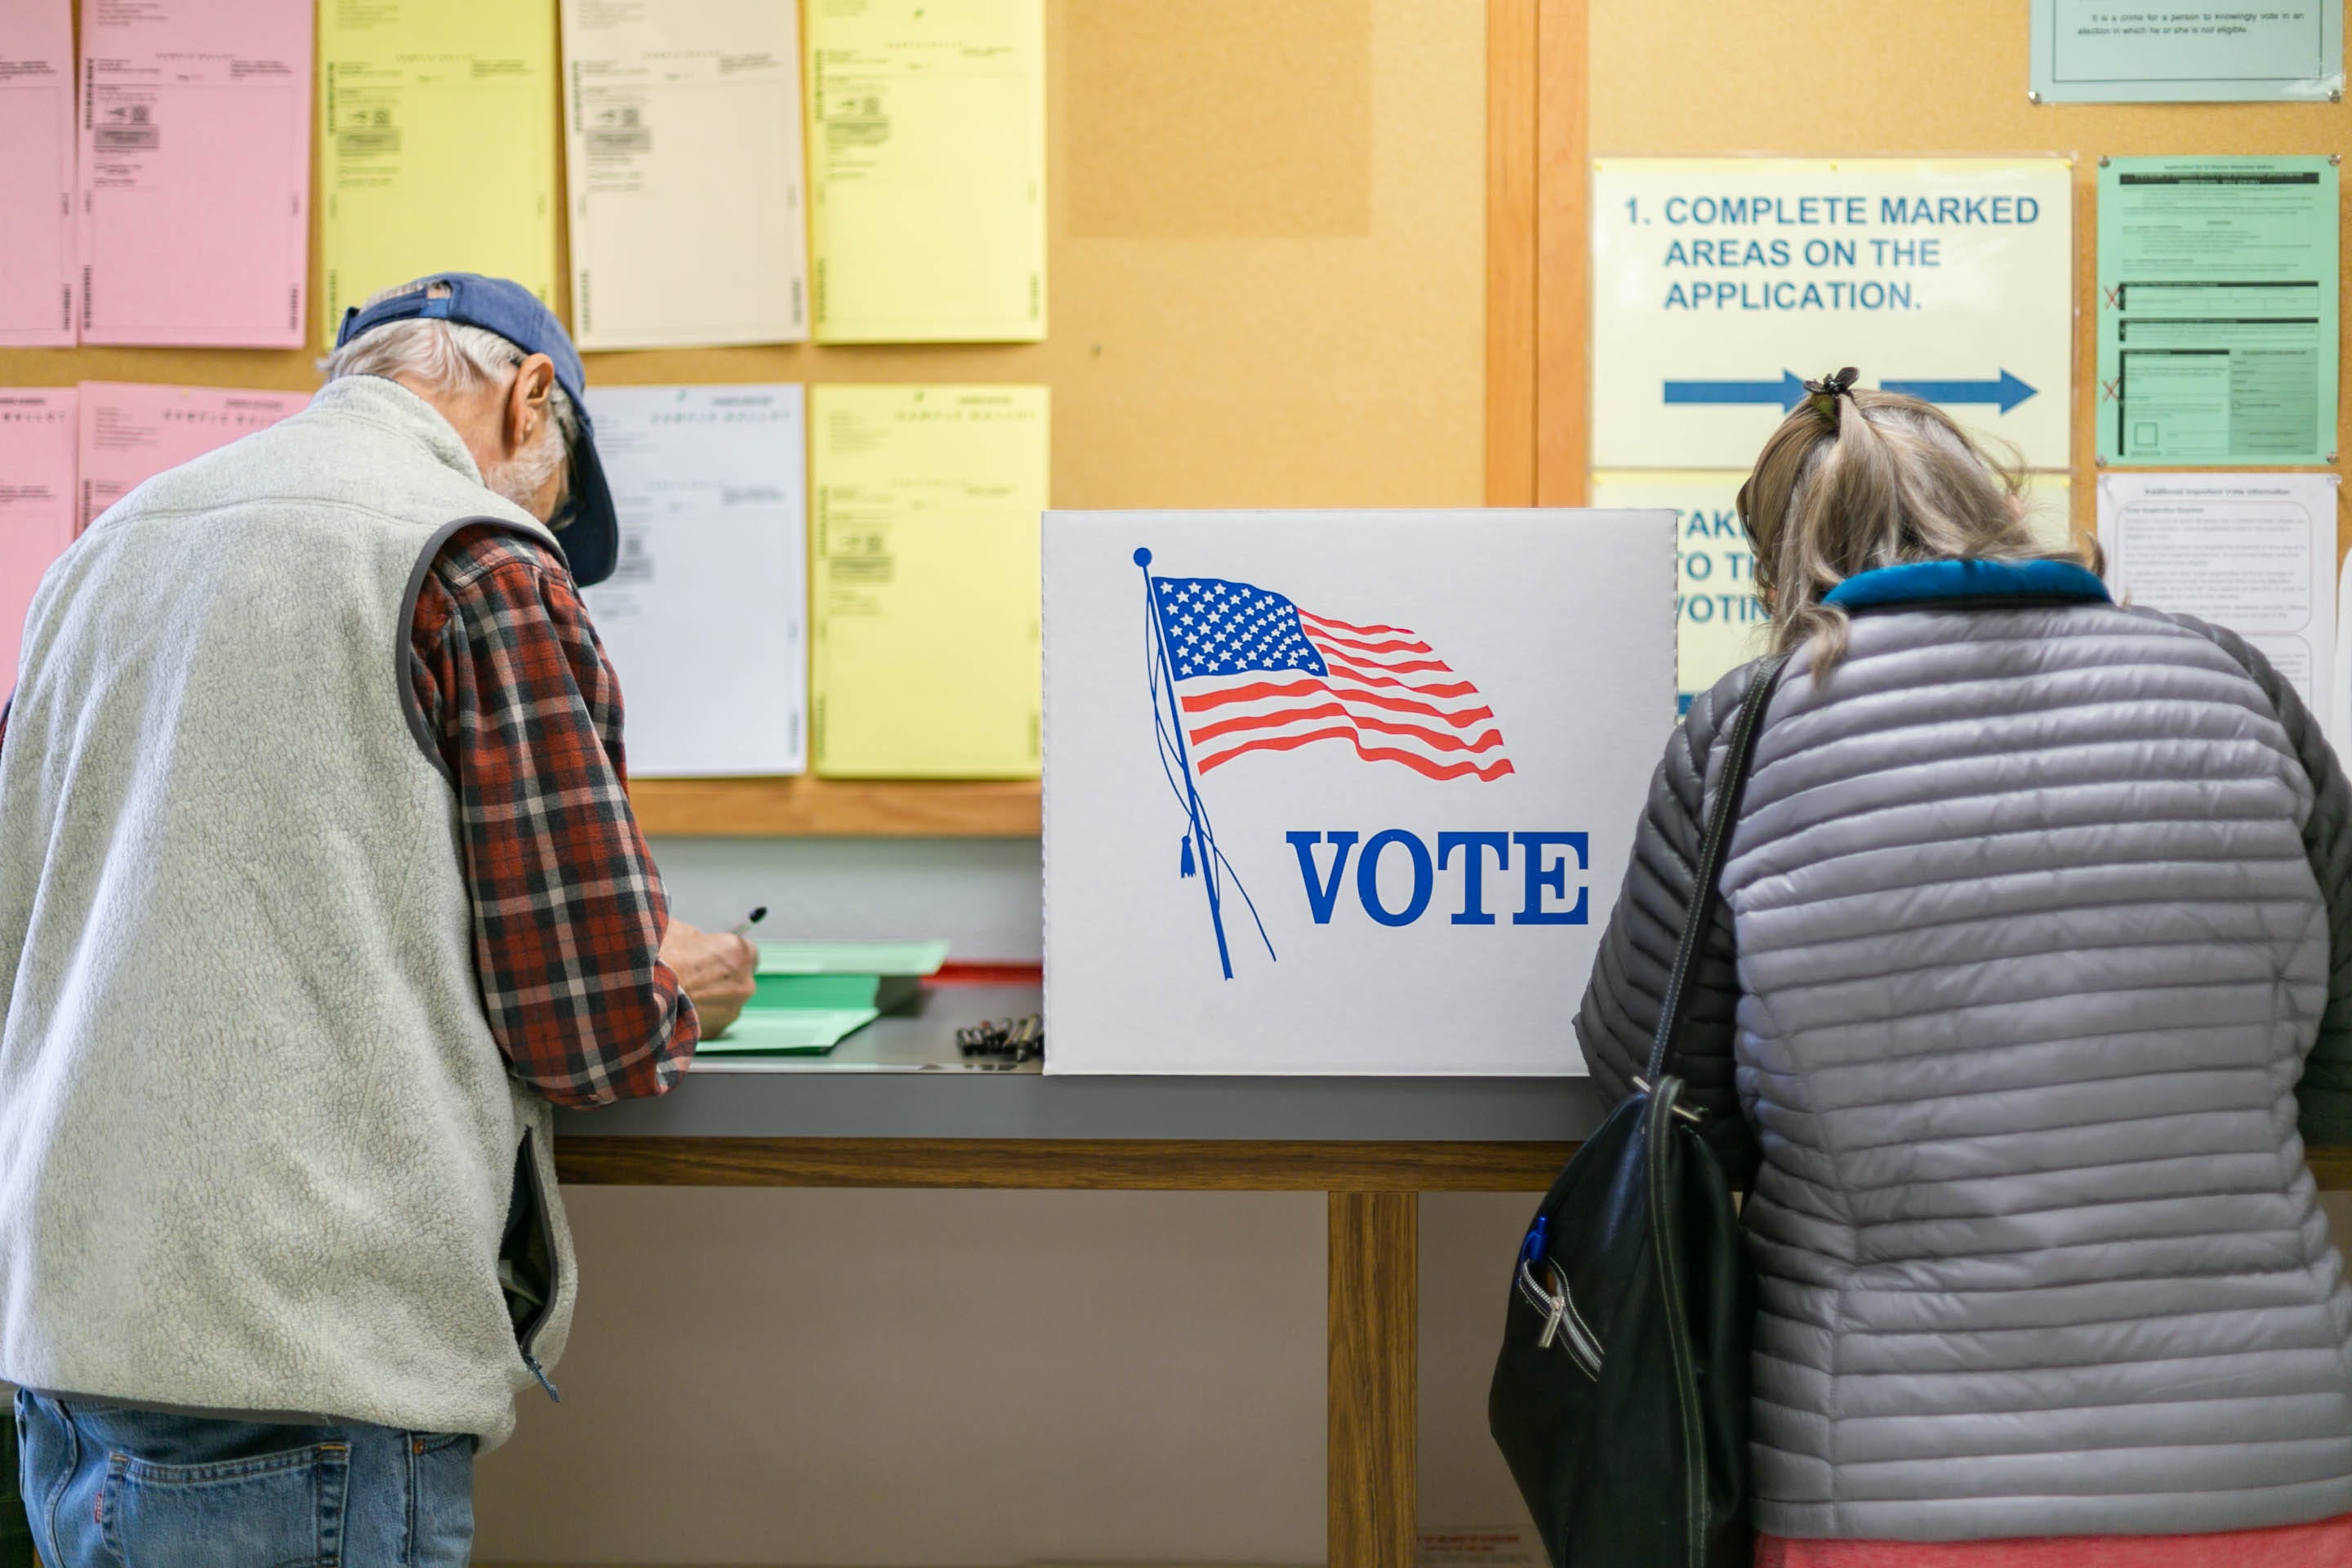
[(714, 969)]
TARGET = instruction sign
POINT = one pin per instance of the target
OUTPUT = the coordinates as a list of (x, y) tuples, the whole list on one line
[(1721, 284), (2164, 51)]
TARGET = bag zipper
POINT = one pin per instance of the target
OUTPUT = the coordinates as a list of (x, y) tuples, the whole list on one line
[(1563, 1324), (526, 1341)]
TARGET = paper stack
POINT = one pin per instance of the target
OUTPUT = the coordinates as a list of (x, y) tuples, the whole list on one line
[(811, 995)]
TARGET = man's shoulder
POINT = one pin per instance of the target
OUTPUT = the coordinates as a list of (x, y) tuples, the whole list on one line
[(481, 556)]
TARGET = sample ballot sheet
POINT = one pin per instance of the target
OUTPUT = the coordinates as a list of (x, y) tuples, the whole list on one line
[(927, 126), (2255, 553), (36, 176), (196, 171), (437, 148), (37, 501), (2218, 296), (129, 431), (683, 118), (927, 501), (704, 616)]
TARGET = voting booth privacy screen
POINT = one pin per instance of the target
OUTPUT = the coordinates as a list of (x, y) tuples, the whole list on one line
[(1342, 792)]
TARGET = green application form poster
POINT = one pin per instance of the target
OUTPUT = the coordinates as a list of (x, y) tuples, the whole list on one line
[(2217, 295)]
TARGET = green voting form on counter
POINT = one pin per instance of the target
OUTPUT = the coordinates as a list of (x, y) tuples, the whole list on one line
[(809, 996)]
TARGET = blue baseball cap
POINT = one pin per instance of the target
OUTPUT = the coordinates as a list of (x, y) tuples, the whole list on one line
[(586, 526)]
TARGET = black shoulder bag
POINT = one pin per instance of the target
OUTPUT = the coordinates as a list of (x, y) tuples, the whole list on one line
[(1621, 1396)]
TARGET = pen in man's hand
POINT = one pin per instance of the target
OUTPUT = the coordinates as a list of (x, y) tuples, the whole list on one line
[(754, 917)]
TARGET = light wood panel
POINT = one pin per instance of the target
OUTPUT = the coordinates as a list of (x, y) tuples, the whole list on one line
[(805, 807), (1512, 153), (1564, 249), (1375, 1347)]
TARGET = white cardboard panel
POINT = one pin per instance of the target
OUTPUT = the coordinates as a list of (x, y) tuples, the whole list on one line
[(1561, 621)]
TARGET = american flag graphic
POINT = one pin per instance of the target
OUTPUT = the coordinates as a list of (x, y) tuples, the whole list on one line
[(1254, 672)]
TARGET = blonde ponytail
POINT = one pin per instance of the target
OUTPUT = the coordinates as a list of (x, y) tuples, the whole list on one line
[(1857, 479)]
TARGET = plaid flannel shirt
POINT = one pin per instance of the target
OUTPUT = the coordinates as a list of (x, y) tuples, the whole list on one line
[(569, 911), (568, 908)]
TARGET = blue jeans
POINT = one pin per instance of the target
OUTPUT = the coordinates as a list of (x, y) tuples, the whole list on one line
[(106, 1486)]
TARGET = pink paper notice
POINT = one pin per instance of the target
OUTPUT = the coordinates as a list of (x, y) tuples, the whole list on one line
[(37, 174), (131, 432), (36, 502), (196, 175)]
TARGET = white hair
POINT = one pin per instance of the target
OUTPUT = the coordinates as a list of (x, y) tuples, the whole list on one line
[(454, 358)]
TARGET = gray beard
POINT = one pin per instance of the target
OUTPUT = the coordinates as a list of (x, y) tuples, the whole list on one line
[(520, 477)]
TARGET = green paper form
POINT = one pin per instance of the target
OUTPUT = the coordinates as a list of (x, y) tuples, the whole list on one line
[(788, 1030), (2218, 300)]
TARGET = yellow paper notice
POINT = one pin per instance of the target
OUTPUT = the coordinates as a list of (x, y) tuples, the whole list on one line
[(436, 145), (924, 595), (926, 165)]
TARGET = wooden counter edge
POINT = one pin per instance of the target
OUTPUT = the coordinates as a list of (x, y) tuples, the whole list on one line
[(802, 806), (1154, 1165), (1157, 1165)]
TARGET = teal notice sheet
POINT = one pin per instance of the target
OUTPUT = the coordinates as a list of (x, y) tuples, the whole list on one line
[(2218, 299), (2124, 51)]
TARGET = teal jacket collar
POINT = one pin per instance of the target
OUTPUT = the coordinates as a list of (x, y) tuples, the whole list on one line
[(1921, 582)]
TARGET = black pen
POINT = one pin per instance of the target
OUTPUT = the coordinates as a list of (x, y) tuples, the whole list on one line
[(754, 917)]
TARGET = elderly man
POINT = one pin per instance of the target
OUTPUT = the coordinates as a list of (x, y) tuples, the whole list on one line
[(318, 883)]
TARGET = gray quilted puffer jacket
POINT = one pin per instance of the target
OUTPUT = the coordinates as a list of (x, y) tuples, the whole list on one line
[(2036, 935)]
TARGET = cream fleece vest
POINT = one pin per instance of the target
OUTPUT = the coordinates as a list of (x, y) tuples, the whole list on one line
[(257, 1144)]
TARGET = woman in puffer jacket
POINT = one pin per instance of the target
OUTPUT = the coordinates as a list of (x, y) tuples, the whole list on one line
[(2035, 946)]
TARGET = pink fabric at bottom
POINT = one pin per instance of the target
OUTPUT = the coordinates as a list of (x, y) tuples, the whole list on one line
[(2326, 1544)]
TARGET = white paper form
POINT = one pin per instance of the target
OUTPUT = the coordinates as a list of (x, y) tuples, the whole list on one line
[(2253, 552), (706, 616), (683, 118), (194, 225), (2338, 721), (37, 174)]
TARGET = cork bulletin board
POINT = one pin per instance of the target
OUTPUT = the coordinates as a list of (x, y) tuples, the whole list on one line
[(1266, 286), (1265, 273), (1927, 78)]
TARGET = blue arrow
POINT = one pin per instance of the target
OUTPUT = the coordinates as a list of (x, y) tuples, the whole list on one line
[(1787, 392), (2007, 391)]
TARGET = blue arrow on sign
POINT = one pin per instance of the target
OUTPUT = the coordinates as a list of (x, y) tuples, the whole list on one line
[(1788, 392), (2007, 391)]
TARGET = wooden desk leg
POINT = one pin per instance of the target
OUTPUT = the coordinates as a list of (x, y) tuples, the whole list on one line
[(1375, 1353)]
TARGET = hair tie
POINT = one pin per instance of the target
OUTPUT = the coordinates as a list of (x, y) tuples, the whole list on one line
[(1828, 390)]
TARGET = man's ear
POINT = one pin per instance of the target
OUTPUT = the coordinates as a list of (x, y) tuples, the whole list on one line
[(528, 405)]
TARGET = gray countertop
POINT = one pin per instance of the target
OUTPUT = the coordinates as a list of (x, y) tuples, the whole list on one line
[(902, 1076)]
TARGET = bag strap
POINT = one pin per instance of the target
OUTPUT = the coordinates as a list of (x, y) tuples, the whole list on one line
[(1737, 753)]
